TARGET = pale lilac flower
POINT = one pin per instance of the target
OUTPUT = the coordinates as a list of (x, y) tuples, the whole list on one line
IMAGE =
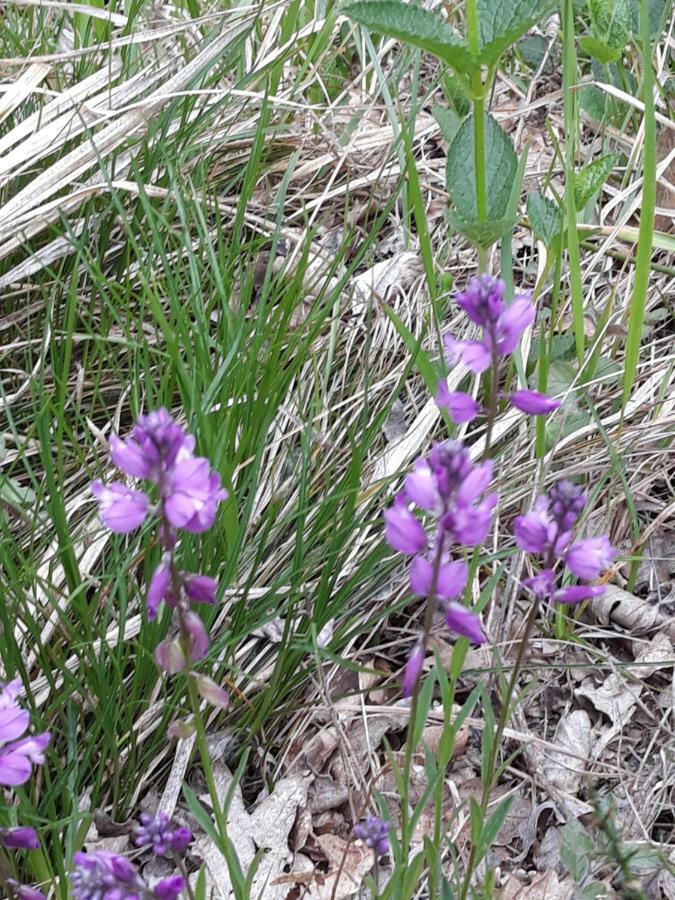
[(101, 875), (199, 639), (122, 508), (21, 838), (465, 622), (403, 532), (24, 892), (157, 833), (17, 754), (461, 407), (413, 668), (169, 656), (588, 558), (192, 494), (422, 488), (542, 583), (533, 403), (374, 833), (213, 693)]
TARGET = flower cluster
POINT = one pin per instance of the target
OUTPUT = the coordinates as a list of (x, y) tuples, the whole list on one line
[(157, 833), (447, 485), (374, 833), (18, 755), (502, 327), (101, 875), (188, 492), (547, 532)]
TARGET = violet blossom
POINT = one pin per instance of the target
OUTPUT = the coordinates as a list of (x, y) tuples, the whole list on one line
[(101, 875), (187, 493), (20, 838), (157, 833), (18, 754), (502, 326), (447, 485), (374, 832), (23, 891), (546, 531)]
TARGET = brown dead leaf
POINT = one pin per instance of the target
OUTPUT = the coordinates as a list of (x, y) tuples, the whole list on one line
[(635, 615), (618, 696), (349, 863), (544, 886), (559, 771)]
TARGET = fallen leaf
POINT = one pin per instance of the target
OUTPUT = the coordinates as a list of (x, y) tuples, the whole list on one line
[(544, 886), (618, 695), (349, 863), (635, 615)]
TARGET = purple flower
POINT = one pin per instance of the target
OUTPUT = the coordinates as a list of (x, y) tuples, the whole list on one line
[(121, 508), (201, 589), (483, 300), (450, 582), (566, 503), (588, 558), (465, 622), (197, 636), (101, 875), (158, 834), (535, 530), (578, 592), (192, 494), (23, 892), (17, 754), (421, 486), (374, 833), (154, 444), (512, 323), (533, 403), (19, 838), (461, 407), (169, 888), (541, 584), (413, 668), (403, 532), (159, 587)]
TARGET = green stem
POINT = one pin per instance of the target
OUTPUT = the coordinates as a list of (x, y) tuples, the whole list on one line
[(501, 724), (570, 104), (644, 252), (479, 152)]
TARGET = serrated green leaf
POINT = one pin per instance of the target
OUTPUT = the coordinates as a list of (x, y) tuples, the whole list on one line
[(483, 234), (501, 24), (448, 121), (597, 49), (590, 179), (545, 218), (415, 26), (456, 94), (501, 165), (611, 22), (575, 849)]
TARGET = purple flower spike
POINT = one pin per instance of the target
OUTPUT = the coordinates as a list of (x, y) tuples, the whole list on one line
[(533, 403), (19, 838), (465, 622), (588, 558), (566, 501), (158, 835), (23, 892), (403, 532), (461, 407), (578, 592), (121, 508), (374, 833), (169, 888), (413, 668), (201, 589)]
